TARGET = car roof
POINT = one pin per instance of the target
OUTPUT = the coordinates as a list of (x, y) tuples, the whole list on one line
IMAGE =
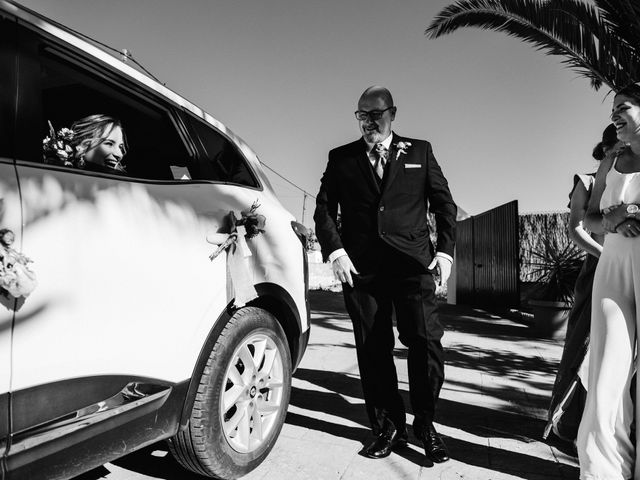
[(95, 50)]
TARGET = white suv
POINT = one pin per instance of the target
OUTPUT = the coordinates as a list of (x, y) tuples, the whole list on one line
[(117, 329)]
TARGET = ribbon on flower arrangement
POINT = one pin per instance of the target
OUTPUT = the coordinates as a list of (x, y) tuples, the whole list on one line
[(240, 230)]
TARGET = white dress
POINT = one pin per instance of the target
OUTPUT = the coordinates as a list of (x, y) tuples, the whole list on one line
[(605, 449)]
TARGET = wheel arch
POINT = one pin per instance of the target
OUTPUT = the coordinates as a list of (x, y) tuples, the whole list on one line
[(275, 300)]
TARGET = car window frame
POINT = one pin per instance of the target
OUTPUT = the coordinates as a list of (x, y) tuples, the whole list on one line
[(186, 118), (91, 66), (179, 116)]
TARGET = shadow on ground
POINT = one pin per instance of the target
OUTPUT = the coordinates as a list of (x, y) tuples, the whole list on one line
[(480, 422)]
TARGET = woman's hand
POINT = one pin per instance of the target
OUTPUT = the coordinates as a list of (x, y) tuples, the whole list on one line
[(629, 228), (613, 218)]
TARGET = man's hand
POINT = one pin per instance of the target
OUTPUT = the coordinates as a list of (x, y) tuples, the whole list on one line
[(443, 267), (342, 269), (629, 228)]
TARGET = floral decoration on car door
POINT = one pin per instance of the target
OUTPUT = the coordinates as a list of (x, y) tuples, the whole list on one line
[(240, 230), (252, 222), (16, 277)]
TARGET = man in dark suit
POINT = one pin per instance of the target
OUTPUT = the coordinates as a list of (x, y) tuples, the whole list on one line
[(384, 185)]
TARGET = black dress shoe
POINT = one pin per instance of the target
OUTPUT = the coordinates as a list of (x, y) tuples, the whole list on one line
[(388, 439), (434, 446)]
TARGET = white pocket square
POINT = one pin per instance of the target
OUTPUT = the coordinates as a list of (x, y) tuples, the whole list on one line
[(412, 165)]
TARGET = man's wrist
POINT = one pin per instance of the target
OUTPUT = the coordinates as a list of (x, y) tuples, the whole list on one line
[(337, 253), (445, 256)]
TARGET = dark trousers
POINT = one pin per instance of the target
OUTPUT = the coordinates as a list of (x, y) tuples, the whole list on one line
[(405, 286)]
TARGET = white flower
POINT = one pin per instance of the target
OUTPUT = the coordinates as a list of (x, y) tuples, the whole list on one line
[(66, 134), (402, 148)]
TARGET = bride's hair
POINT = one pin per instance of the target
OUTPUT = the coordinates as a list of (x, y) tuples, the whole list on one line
[(91, 131)]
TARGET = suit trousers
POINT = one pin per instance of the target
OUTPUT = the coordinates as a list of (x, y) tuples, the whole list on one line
[(403, 285)]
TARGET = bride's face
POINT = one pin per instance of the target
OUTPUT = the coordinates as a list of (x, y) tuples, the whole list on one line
[(108, 152)]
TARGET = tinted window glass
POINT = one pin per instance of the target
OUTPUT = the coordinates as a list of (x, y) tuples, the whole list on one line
[(221, 161), (7, 87), (60, 93)]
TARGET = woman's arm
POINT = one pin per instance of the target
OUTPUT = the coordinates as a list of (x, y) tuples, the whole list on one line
[(579, 236), (593, 218)]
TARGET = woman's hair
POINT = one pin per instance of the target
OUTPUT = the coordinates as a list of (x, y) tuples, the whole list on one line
[(609, 139), (91, 131), (631, 91), (3, 232)]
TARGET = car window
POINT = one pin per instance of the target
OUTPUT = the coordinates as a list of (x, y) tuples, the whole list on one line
[(57, 92), (219, 160), (7, 87)]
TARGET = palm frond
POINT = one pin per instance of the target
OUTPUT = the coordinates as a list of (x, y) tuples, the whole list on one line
[(623, 17), (566, 28), (614, 57)]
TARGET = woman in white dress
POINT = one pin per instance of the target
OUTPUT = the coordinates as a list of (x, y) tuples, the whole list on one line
[(605, 448)]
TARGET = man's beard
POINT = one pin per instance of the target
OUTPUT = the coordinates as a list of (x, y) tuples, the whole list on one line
[(373, 137)]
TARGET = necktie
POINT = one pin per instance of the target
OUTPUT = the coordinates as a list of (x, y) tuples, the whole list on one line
[(381, 154)]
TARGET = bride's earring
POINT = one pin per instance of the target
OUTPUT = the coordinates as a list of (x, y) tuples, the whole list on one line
[(80, 151)]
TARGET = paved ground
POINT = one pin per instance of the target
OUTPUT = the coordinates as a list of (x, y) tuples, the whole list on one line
[(498, 382)]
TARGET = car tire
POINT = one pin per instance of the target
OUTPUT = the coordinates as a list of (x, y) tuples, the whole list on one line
[(239, 409)]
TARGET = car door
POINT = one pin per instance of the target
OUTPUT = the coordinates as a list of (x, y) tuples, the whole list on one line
[(9, 224), (122, 292), (9, 214)]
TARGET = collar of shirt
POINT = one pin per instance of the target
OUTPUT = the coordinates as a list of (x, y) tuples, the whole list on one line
[(386, 142)]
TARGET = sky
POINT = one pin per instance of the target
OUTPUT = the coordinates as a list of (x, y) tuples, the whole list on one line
[(506, 122)]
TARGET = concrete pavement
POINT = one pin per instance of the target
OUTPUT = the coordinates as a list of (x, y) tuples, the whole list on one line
[(491, 414)]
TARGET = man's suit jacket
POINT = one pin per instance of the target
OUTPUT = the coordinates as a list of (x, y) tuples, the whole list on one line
[(394, 212)]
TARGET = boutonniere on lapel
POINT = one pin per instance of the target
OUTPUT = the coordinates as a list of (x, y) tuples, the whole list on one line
[(401, 148)]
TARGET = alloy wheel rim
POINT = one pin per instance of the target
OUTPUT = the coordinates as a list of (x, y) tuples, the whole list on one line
[(253, 393)]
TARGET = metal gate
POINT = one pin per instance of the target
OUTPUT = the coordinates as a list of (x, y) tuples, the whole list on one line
[(487, 266)]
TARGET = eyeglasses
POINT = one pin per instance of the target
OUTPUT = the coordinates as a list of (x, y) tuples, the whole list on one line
[(372, 114)]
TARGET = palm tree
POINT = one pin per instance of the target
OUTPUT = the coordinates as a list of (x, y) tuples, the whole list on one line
[(599, 40)]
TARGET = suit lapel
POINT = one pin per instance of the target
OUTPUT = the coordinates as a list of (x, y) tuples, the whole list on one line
[(365, 165)]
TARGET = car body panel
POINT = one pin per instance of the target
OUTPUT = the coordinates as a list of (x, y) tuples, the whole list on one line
[(139, 251), (89, 437)]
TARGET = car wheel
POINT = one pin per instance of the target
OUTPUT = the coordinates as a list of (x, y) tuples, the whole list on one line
[(242, 398)]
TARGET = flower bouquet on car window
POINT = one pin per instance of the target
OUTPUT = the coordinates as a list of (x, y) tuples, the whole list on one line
[(57, 149)]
